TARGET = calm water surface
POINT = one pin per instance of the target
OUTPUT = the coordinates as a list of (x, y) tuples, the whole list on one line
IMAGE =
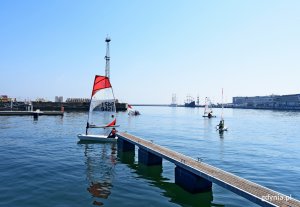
[(42, 163)]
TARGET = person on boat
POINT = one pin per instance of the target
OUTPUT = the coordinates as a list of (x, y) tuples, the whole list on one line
[(209, 115), (113, 133), (87, 127), (221, 125)]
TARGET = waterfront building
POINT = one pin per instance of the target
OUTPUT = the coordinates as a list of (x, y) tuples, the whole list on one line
[(287, 100), (41, 100), (291, 101), (78, 100), (5, 99), (59, 99)]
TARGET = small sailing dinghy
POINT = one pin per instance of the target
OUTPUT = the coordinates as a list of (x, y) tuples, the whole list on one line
[(102, 111), (132, 112), (221, 127), (207, 109)]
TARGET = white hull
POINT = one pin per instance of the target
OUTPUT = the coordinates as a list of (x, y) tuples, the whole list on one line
[(96, 138)]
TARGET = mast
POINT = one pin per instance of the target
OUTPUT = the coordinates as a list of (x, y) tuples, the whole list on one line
[(107, 66), (222, 106), (107, 58), (174, 100), (87, 122)]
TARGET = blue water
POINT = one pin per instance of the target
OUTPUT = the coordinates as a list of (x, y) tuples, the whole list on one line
[(42, 163)]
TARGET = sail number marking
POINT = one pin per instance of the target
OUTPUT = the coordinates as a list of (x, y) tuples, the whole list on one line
[(107, 106)]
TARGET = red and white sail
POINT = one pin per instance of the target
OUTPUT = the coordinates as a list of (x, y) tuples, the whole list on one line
[(102, 111)]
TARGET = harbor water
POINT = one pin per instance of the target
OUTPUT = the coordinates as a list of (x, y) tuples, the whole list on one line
[(43, 164)]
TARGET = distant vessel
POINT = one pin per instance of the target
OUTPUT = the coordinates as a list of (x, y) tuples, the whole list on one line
[(189, 102), (132, 112), (102, 112), (221, 127)]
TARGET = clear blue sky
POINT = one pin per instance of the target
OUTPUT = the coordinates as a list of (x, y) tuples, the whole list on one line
[(55, 47)]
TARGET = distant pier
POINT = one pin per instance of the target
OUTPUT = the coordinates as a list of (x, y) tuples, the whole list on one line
[(196, 176), (54, 106), (31, 113)]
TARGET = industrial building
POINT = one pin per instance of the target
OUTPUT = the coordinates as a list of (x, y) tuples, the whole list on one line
[(291, 101)]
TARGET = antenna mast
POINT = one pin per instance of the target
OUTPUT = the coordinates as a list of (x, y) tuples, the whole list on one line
[(107, 58)]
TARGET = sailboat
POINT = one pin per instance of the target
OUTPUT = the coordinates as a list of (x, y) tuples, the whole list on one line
[(102, 111), (132, 112), (221, 127), (207, 109)]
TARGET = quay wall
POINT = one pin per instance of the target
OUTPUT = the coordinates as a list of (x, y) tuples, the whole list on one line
[(54, 106), (267, 107)]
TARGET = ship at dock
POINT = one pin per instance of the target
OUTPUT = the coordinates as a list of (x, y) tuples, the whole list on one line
[(189, 102)]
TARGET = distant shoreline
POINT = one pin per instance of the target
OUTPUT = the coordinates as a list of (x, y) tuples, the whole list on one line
[(290, 108), (84, 106)]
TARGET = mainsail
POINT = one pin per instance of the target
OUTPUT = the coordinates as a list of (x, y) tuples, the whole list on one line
[(222, 106), (207, 107), (102, 112)]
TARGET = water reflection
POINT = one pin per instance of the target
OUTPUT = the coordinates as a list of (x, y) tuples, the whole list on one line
[(100, 163), (171, 190), (100, 190), (126, 157), (221, 134)]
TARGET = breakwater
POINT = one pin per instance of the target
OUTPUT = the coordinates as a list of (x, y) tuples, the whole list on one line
[(54, 106)]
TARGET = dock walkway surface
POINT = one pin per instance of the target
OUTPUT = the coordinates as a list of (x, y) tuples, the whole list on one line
[(254, 192)]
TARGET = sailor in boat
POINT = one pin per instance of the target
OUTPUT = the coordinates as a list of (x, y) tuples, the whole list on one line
[(134, 113), (87, 126), (221, 125), (209, 114), (113, 133)]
